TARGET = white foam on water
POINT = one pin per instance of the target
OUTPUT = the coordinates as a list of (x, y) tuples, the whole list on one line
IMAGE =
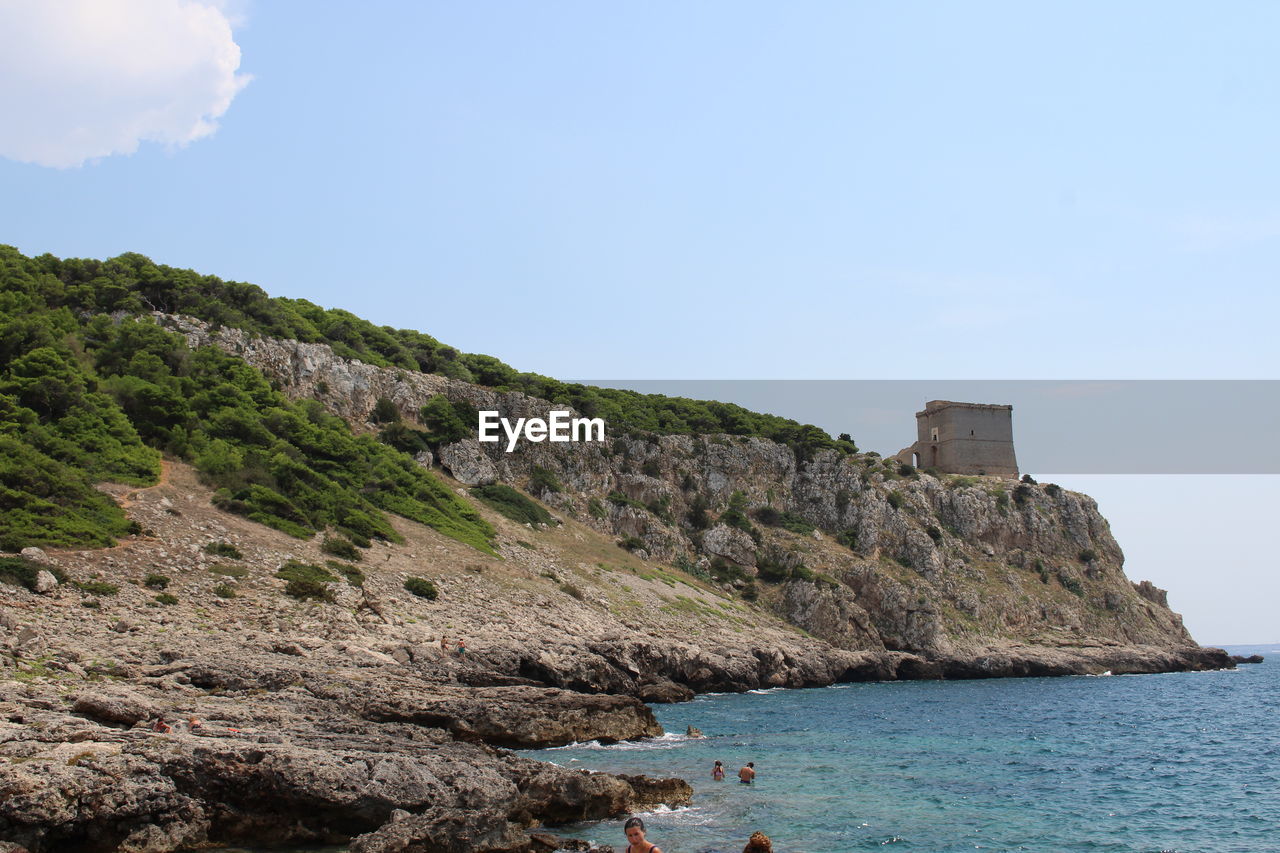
[(670, 740)]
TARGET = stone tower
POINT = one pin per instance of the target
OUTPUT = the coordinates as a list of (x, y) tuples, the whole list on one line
[(963, 438)]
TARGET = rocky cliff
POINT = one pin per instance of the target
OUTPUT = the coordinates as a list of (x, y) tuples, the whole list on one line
[(1021, 575), (339, 716)]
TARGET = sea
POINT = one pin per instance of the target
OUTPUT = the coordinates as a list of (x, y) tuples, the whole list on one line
[(1186, 762), (1179, 762)]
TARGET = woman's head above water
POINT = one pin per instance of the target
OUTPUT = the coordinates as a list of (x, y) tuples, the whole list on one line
[(634, 830)]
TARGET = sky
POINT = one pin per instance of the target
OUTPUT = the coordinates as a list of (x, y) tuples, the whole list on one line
[(720, 190)]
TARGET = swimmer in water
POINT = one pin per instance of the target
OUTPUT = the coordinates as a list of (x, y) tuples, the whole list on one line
[(747, 774), (634, 830)]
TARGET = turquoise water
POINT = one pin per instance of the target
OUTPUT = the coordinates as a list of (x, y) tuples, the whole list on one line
[(1178, 762)]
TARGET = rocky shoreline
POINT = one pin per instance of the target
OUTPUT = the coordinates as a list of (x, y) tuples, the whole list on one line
[(677, 565), (311, 740)]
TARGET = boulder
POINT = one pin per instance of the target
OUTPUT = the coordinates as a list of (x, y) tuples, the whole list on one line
[(467, 463), (35, 555), (45, 582), (730, 543), (115, 706), (444, 830)]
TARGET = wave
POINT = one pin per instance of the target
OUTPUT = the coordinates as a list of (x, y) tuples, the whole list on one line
[(670, 740)]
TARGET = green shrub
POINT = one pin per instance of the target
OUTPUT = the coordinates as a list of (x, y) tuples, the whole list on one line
[(1088, 555), (384, 411), (895, 499), (962, 482), (1028, 479), (96, 587), (698, 518), (1022, 494), (651, 468), (354, 576), (422, 588), (724, 571), (736, 515), (596, 509), (166, 599), (661, 508), (573, 591), (1071, 584), (19, 571), (229, 571), (404, 438), (305, 590), (224, 590), (340, 547), (772, 572), (1052, 489), (156, 582), (848, 538), (619, 499), (223, 549), (934, 533), (771, 517), (447, 422), (631, 543), (542, 481), (512, 504), (306, 581)]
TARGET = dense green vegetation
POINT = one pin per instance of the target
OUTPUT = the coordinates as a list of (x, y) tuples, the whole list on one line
[(87, 397), (92, 390), (132, 283), (512, 504)]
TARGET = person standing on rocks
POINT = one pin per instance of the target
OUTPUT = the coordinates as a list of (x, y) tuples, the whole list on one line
[(747, 774)]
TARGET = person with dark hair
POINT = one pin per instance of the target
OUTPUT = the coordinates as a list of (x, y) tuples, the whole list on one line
[(717, 772), (636, 843), (758, 843), (747, 774)]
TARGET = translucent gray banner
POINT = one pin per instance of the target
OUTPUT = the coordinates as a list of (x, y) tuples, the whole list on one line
[(1059, 426)]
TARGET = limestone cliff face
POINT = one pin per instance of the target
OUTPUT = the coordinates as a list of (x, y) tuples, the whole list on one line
[(947, 568)]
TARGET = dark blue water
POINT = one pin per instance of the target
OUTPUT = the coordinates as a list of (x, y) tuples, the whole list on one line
[(1179, 762)]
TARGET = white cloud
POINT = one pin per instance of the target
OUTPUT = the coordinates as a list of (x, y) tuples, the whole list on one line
[(81, 79)]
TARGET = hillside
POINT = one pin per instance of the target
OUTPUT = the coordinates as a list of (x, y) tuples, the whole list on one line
[(274, 537)]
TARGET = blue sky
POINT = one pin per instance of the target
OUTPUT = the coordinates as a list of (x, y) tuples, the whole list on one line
[(673, 190)]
